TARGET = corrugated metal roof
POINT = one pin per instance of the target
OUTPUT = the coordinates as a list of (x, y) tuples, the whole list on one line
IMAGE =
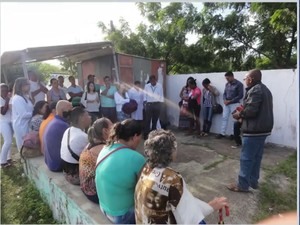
[(75, 52)]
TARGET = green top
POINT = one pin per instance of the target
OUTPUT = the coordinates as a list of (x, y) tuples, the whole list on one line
[(116, 177), (105, 101)]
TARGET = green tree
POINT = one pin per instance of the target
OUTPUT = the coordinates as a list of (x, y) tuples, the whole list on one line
[(69, 66)]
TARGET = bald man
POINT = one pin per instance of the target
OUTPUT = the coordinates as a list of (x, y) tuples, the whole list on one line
[(257, 124), (53, 135)]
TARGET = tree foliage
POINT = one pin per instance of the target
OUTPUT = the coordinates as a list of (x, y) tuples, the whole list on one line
[(230, 36), (68, 66), (43, 69)]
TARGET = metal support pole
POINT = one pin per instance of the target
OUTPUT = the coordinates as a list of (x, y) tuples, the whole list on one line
[(116, 65), (24, 65), (5, 74)]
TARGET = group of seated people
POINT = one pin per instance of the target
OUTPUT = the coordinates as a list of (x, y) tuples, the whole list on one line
[(128, 186)]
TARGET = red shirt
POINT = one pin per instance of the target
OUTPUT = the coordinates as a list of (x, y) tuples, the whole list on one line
[(197, 91)]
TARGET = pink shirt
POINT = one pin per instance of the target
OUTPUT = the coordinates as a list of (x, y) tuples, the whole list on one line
[(197, 91)]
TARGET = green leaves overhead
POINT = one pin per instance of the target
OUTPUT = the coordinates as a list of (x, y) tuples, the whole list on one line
[(226, 36)]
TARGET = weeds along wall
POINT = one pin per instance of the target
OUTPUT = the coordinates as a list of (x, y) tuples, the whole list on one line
[(282, 83)]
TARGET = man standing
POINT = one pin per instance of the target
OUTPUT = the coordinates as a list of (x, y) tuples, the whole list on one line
[(153, 99), (257, 124), (38, 90), (233, 93), (75, 92), (107, 99), (61, 81), (91, 78)]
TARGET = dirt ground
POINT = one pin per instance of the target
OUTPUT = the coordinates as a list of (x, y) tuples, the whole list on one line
[(208, 164)]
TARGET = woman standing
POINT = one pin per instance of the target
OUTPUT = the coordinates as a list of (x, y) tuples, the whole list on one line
[(21, 109), (5, 126), (98, 133), (91, 101), (38, 114), (121, 97), (117, 171), (161, 194), (209, 100), (55, 93)]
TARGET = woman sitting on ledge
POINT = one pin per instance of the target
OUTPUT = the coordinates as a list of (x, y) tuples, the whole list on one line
[(119, 165), (161, 195), (97, 135)]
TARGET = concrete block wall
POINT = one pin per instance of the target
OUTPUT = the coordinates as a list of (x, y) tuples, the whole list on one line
[(282, 83), (67, 202)]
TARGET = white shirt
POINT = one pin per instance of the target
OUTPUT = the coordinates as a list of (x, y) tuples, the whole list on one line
[(78, 141), (91, 106), (138, 96), (65, 89), (74, 90), (153, 93), (21, 112), (120, 100), (7, 116), (41, 96)]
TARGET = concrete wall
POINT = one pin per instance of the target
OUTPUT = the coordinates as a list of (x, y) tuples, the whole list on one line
[(283, 85), (67, 202)]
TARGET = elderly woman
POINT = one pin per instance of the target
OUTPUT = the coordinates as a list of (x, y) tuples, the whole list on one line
[(55, 93), (98, 133), (161, 195)]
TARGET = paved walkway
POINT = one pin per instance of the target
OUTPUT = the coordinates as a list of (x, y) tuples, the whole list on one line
[(208, 164)]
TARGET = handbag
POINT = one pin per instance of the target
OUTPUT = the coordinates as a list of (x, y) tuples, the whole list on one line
[(130, 107), (31, 145), (217, 109), (83, 102), (73, 154)]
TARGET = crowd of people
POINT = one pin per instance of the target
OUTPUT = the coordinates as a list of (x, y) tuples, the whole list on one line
[(92, 140)]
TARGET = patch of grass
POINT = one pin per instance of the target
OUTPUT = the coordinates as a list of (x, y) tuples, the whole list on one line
[(273, 199), (21, 202), (214, 164)]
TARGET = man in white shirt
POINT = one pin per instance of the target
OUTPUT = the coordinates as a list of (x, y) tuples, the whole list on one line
[(153, 99), (61, 81), (73, 142), (38, 90), (75, 92)]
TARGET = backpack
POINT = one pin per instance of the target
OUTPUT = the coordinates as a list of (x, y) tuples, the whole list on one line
[(31, 145), (130, 107)]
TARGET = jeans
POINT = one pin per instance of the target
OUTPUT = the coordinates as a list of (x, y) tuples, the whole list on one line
[(152, 113), (122, 116), (110, 113), (128, 218), (237, 132), (250, 160), (207, 119), (7, 133), (227, 110)]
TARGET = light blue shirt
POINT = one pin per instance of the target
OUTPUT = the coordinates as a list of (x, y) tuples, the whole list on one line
[(105, 101)]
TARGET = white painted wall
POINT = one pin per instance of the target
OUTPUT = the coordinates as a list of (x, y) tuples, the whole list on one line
[(282, 83)]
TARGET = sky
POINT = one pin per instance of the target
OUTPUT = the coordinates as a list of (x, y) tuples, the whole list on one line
[(35, 24)]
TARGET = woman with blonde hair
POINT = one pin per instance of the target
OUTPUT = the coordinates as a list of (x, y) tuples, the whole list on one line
[(97, 135), (22, 109)]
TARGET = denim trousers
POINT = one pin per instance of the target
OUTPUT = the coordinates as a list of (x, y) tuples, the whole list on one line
[(207, 119), (250, 160), (127, 218), (227, 110)]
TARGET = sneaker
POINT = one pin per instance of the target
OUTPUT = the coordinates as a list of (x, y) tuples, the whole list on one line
[(235, 146), (205, 134), (219, 136), (5, 165)]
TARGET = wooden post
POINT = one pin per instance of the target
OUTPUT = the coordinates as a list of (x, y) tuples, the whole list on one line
[(116, 65)]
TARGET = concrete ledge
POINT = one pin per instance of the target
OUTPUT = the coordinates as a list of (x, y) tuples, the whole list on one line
[(67, 202)]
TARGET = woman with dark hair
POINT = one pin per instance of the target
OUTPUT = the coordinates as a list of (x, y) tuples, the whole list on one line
[(97, 135), (161, 194), (210, 93), (55, 93), (21, 109), (194, 106), (40, 109), (117, 171), (91, 100), (183, 105)]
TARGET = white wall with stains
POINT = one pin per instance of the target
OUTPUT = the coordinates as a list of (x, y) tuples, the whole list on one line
[(282, 83)]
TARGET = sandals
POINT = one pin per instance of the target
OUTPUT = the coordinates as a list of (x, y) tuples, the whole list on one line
[(235, 188)]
